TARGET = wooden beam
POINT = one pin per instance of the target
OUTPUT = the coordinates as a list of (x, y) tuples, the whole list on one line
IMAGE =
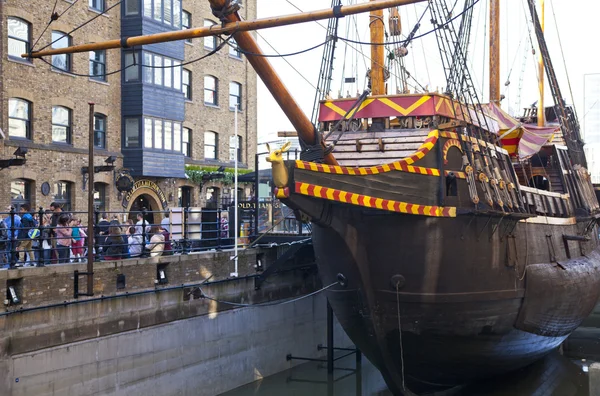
[(233, 26), (495, 51), (286, 134), (377, 29)]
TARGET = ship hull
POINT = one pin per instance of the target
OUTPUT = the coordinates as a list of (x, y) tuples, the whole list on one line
[(453, 287)]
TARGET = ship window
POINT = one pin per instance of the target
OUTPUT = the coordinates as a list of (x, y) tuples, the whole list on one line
[(451, 185), (540, 182)]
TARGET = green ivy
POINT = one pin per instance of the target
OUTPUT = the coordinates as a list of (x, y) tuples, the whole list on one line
[(196, 172)]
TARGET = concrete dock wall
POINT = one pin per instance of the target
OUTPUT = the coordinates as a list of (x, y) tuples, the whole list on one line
[(201, 356), (164, 340)]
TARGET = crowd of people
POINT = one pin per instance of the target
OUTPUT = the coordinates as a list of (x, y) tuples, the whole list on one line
[(56, 237)]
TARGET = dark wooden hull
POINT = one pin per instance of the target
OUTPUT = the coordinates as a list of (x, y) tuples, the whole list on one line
[(466, 311)]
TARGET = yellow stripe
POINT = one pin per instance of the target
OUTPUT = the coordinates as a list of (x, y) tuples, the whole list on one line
[(354, 199), (313, 166), (329, 193), (333, 107), (401, 109), (403, 207), (379, 203), (343, 196), (386, 168), (318, 191), (304, 189)]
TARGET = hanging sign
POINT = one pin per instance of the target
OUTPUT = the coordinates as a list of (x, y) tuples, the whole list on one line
[(149, 185)]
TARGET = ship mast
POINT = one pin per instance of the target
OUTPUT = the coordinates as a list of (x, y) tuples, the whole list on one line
[(495, 51), (541, 115), (377, 28)]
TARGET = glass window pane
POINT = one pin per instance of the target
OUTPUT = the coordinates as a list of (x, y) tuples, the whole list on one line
[(131, 7), (132, 132), (16, 48), (209, 83), (59, 134), (148, 8), (168, 14), (18, 108), (60, 115), (185, 20), (158, 70), (148, 132), (209, 138), (177, 13), (62, 41), (17, 128), (18, 28), (148, 70), (132, 71), (158, 10), (158, 134), (209, 41), (176, 75), (20, 193), (168, 135), (168, 70), (177, 136), (99, 130)]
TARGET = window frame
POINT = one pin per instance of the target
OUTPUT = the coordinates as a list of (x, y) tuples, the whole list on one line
[(68, 57), (239, 97), (189, 23), (187, 93), (157, 14), (101, 196), (211, 46), (239, 149), (136, 56), (215, 146), (68, 193), (214, 91), (102, 132), (94, 62), (27, 121), (137, 7), (175, 127), (27, 188), (19, 39), (125, 141), (102, 5), (234, 50), (186, 142), (68, 126)]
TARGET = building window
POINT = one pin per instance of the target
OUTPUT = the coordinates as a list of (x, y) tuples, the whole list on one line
[(187, 84), (234, 49), (61, 194), (61, 125), (97, 5), (18, 37), (210, 145), (211, 90), (132, 66), (100, 130), (184, 197), (132, 132), (176, 136), (98, 65), (165, 11), (132, 7), (19, 118), (186, 148), (232, 150), (158, 70), (20, 193), (235, 96), (168, 73), (210, 42), (61, 40), (186, 22), (100, 197), (177, 75), (162, 134)]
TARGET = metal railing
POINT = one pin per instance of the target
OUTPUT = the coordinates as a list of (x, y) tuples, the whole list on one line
[(45, 237)]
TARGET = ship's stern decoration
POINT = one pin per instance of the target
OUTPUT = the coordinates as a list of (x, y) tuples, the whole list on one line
[(281, 175)]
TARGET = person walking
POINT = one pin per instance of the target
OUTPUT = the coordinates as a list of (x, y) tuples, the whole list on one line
[(141, 224), (25, 241), (64, 239), (157, 242), (114, 246), (78, 239)]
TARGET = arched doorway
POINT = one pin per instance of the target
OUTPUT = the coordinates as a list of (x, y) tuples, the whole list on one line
[(149, 202)]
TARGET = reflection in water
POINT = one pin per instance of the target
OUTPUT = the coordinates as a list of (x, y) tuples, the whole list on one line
[(555, 375)]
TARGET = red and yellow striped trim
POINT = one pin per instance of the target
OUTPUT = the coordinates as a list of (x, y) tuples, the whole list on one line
[(403, 165), (464, 138), (458, 174), (450, 143), (370, 202)]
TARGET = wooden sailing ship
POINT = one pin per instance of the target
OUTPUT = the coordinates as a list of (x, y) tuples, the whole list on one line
[(452, 264)]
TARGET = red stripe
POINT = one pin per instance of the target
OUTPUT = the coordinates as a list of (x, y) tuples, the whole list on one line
[(384, 204), (409, 208), (311, 190), (324, 192), (433, 211), (361, 200), (336, 195), (397, 206), (298, 184)]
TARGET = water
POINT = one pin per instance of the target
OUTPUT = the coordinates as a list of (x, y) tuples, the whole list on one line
[(555, 375)]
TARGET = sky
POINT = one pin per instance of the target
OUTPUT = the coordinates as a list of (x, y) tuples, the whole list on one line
[(575, 24)]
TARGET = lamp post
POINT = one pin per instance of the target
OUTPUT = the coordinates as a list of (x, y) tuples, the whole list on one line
[(235, 192)]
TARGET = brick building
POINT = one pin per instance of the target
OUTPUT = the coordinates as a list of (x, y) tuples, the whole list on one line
[(155, 117)]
